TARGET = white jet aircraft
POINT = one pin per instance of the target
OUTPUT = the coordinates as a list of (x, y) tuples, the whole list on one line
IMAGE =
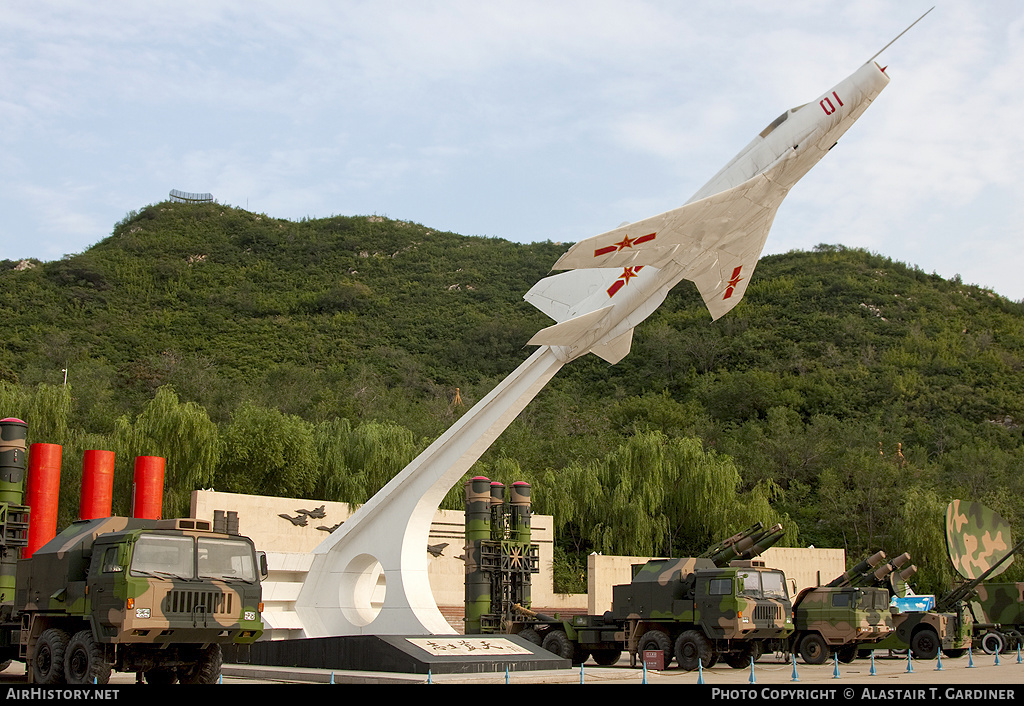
[(617, 279)]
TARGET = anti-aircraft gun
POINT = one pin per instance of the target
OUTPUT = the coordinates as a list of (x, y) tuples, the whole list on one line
[(843, 615), (917, 624), (980, 546)]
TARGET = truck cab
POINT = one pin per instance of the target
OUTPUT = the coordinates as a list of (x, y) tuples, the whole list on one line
[(840, 619), (156, 597)]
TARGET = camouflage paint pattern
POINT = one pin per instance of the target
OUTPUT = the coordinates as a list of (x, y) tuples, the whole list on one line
[(953, 631), (999, 604), (976, 539), (695, 592), (13, 438), (66, 579), (844, 615), (520, 516), (13, 515)]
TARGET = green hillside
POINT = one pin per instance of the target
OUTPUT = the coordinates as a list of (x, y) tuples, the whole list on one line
[(848, 396)]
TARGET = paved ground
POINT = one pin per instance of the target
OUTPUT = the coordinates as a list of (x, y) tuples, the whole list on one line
[(976, 672)]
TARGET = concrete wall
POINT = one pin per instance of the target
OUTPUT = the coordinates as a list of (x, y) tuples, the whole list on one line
[(289, 545)]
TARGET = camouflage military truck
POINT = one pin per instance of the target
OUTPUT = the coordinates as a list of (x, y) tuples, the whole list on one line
[(842, 616), (927, 632), (125, 594), (697, 610), (998, 612), (919, 625)]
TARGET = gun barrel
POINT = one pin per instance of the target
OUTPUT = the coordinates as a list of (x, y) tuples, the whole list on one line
[(745, 545), (862, 567), (725, 545)]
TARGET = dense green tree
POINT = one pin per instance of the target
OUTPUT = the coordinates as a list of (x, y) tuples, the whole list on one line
[(263, 451)]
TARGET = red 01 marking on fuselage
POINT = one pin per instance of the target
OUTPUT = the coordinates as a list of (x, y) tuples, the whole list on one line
[(827, 106)]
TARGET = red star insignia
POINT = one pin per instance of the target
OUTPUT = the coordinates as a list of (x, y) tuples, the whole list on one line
[(733, 282)]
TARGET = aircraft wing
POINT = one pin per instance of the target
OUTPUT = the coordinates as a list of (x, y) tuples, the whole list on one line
[(715, 242)]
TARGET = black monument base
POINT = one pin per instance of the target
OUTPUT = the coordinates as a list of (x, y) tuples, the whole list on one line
[(412, 654)]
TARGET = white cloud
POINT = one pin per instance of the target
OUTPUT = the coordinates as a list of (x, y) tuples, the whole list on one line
[(525, 120)]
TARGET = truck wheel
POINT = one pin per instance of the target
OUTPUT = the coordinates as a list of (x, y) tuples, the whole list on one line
[(693, 650), (205, 669), (84, 662), (530, 635), (655, 640), (992, 642), (557, 642), (606, 658), (813, 649), (847, 653), (924, 645), (48, 660)]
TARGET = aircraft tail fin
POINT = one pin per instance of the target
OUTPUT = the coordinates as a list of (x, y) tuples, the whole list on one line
[(723, 282), (567, 332)]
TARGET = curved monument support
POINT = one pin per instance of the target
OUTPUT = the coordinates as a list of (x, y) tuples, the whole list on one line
[(387, 537)]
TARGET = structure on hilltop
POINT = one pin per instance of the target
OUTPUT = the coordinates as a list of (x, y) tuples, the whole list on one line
[(185, 197)]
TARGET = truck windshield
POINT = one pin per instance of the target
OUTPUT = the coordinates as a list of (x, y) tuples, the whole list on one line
[(773, 584), (157, 555), (226, 559), (189, 558), (764, 584)]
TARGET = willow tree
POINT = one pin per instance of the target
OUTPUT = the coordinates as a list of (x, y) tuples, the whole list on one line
[(179, 432), (655, 495), (355, 461), (45, 408), (266, 452), (920, 531)]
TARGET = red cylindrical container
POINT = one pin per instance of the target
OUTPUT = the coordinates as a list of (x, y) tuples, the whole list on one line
[(148, 490), (41, 495), (97, 485)]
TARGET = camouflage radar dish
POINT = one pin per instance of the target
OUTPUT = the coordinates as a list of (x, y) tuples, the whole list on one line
[(977, 539)]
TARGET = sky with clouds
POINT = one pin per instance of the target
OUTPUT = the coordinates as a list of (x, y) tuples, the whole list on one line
[(525, 120)]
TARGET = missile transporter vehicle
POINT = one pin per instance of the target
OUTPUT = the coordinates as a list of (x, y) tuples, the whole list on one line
[(697, 610), (843, 616), (980, 547), (158, 597)]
